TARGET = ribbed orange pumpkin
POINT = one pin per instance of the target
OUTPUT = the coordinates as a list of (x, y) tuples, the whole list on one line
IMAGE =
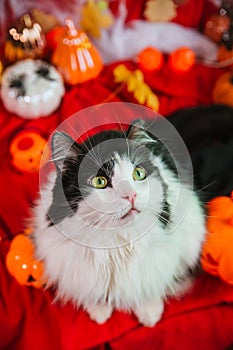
[(217, 253), (225, 54), (75, 56), (223, 89)]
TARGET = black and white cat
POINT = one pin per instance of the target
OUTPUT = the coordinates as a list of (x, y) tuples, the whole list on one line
[(113, 235)]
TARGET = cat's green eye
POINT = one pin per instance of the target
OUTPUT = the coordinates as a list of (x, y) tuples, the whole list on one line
[(139, 173), (99, 182)]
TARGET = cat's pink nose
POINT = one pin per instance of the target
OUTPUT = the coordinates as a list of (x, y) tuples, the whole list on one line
[(126, 191), (131, 198)]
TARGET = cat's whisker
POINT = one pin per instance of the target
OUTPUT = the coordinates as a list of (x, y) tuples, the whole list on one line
[(124, 133), (88, 215), (94, 158), (104, 222), (97, 219), (159, 214), (55, 159), (206, 186), (74, 130)]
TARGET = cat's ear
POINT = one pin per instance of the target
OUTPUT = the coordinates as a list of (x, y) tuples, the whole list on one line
[(137, 130), (63, 147)]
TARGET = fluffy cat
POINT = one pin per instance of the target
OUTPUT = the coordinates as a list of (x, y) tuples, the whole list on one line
[(113, 235)]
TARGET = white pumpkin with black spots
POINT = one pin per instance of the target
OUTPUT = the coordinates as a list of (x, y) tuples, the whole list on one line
[(31, 88)]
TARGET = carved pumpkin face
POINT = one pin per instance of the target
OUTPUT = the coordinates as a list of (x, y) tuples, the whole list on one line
[(21, 263), (26, 151), (31, 88)]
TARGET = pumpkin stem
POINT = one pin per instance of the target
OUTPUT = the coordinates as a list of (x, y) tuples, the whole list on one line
[(27, 21), (71, 27)]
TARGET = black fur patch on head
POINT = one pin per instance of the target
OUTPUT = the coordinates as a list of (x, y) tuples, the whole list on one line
[(76, 164)]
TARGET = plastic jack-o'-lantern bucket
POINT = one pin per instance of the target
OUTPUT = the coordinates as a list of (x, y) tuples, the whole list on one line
[(22, 264), (26, 150)]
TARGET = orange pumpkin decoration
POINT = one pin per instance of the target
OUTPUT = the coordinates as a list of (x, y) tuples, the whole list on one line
[(21, 263), (182, 59), (24, 41), (223, 89), (217, 253), (150, 59), (224, 54), (75, 56), (26, 151)]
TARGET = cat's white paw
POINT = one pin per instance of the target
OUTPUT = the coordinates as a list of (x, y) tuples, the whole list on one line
[(149, 313), (99, 313)]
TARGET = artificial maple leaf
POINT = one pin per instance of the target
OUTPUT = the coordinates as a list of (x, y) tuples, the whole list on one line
[(135, 80), (135, 84), (94, 16), (152, 101), (121, 73), (160, 10), (140, 94), (144, 95)]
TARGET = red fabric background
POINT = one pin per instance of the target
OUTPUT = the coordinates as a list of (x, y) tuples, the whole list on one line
[(28, 319)]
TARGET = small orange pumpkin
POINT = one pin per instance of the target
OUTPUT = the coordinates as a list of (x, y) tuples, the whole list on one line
[(217, 253), (21, 263), (225, 53), (150, 59), (75, 56), (182, 59), (223, 89)]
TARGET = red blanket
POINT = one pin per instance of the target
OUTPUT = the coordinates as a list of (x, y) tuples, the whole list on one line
[(28, 319)]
